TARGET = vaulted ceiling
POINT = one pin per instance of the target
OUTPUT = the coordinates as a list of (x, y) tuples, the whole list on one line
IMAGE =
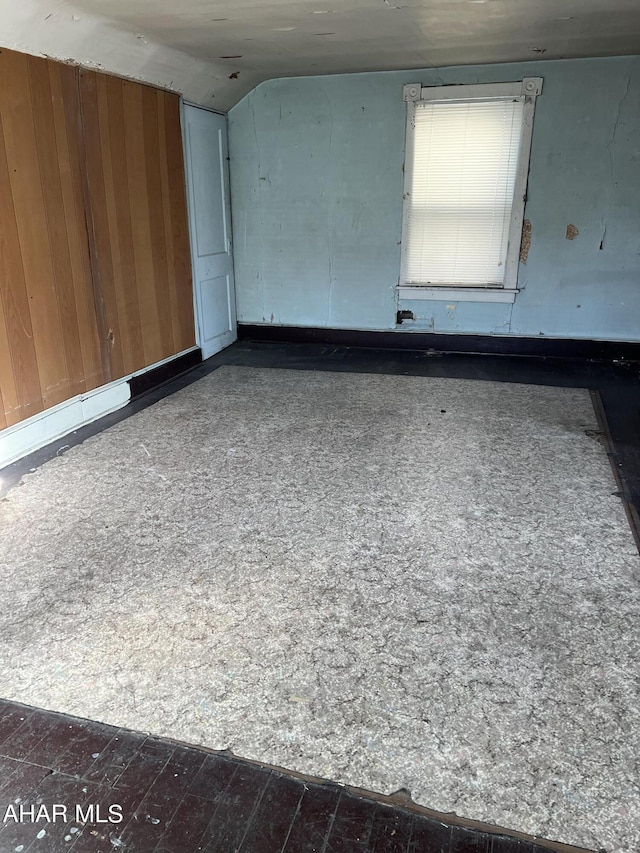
[(215, 51)]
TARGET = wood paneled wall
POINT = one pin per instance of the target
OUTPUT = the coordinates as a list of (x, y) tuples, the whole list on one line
[(137, 198), (49, 348), (95, 273)]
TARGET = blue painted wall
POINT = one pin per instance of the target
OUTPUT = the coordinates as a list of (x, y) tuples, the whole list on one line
[(317, 181)]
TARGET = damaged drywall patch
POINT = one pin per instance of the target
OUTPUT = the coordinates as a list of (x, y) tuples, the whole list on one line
[(525, 242), (572, 232)]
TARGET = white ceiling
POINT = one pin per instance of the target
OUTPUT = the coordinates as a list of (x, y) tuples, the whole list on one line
[(217, 50)]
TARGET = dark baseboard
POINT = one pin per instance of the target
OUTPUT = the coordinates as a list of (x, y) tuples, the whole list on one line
[(164, 373), (484, 344)]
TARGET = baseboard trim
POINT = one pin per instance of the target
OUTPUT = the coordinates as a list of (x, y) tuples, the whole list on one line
[(54, 423), (542, 347), (65, 419), (141, 383)]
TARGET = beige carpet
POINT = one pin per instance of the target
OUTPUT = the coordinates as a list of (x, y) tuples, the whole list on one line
[(388, 581)]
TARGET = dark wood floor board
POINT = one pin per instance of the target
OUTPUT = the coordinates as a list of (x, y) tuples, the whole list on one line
[(62, 736), (27, 738), (58, 789), (272, 820), (497, 845), (313, 820), (92, 836), (352, 826), (468, 841), (144, 832), (391, 831), (39, 832), (11, 718), (82, 752), (213, 778), (162, 799), (235, 809), (18, 779), (114, 758), (146, 760), (143, 769), (187, 827), (173, 781), (429, 835), (21, 836), (175, 798), (7, 766)]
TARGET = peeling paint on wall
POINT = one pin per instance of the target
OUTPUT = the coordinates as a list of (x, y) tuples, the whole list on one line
[(572, 232), (525, 242)]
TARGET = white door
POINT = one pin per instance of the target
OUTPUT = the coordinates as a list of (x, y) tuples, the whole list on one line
[(206, 152)]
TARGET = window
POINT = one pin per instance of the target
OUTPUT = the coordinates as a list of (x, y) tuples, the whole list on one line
[(466, 166)]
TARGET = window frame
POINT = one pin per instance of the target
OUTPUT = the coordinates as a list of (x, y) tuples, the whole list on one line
[(414, 93)]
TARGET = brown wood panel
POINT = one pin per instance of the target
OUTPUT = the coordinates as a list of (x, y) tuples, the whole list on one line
[(6, 374), (16, 106), (120, 326), (129, 306), (98, 217), (165, 190), (176, 220), (95, 273), (51, 158), (139, 205), (48, 334), (150, 117), (137, 197), (19, 377), (66, 100)]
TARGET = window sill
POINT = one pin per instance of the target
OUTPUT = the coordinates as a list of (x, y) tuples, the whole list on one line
[(457, 294)]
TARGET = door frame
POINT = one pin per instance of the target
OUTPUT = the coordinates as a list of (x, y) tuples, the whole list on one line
[(194, 284)]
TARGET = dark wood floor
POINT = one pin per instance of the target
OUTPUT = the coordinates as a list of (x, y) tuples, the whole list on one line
[(141, 794)]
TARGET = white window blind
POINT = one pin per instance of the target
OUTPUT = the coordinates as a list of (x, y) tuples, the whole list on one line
[(465, 157)]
